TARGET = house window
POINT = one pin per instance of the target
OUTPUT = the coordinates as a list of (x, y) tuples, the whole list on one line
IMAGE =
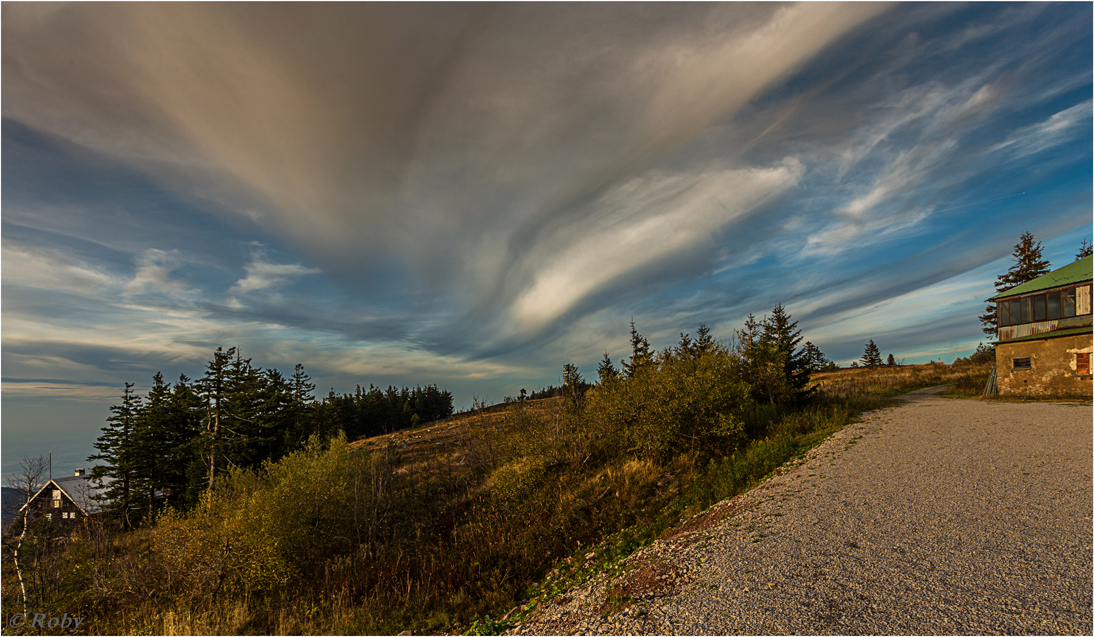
[(1022, 363), (1068, 297), (1039, 307), (1049, 306), (1054, 305), (1082, 364), (49, 517)]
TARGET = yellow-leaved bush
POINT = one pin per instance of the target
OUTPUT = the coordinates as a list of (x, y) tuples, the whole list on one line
[(257, 529)]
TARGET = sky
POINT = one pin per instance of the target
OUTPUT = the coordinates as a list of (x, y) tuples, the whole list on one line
[(472, 195)]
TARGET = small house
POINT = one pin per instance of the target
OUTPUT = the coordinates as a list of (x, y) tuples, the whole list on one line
[(1045, 334), (65, 501)]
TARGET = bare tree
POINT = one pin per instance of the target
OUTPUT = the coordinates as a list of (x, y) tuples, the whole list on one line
[(26, 483)]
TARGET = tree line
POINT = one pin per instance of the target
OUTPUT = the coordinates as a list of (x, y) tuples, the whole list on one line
[(166, 448)]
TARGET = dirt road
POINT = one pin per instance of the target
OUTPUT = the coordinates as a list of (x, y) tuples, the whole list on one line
[(937, 516)]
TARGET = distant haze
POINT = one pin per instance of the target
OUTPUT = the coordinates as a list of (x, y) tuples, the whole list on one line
[(472, 195)]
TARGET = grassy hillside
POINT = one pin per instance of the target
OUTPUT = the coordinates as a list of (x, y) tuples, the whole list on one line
[(439, 528)]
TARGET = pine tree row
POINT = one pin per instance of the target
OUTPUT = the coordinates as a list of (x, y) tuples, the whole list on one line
[(165, 449)]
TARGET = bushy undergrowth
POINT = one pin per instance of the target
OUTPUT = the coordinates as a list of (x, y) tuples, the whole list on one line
[(329, 540)]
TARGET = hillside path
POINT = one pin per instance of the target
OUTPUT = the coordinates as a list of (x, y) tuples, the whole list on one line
[(935, 516)]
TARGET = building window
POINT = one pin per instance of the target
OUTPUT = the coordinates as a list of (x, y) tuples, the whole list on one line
[(1054, 305), (1082, 364), (49, 517), (1022, 363), (1068, 297), (1048, 306)]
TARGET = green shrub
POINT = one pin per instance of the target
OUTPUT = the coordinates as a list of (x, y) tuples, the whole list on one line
[(680, 403)]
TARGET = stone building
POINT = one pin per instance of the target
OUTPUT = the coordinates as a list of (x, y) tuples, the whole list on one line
[(1045, 335)]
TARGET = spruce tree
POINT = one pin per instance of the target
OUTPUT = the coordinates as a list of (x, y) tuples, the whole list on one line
[(213, 389), (1085, 250), (116, 449), (1028, 265), (640, 354), (770, 359), (152, 447), (891, 362), (703, 341), (184, 477), (686, 347), (302, 386), (606, 369), (872, 356), (784, 337), (814, 357)]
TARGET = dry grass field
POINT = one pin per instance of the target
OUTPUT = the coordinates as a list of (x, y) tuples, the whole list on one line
[(964, 379)]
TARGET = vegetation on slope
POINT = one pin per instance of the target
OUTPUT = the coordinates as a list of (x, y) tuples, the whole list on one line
[(438, 529)]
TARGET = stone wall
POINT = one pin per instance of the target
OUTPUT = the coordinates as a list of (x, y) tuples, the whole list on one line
[(1052, 369)]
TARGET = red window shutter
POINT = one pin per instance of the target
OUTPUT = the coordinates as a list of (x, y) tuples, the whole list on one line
[(1082, 363)]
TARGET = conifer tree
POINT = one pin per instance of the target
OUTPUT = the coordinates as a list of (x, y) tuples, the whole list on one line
[(703, 341), (213, 389), (1028, 265), (872, 356), (640, 354), (784, 337), (302, 386), (151, 447), (1085, 250), (184, 477), (606, 369), (891, 361), (571, 377), (116, 450), (770, 359), (814, 357), (686, 347)]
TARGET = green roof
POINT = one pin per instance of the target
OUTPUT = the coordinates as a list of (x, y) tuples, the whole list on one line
[(1070, 331), (1077, 272)]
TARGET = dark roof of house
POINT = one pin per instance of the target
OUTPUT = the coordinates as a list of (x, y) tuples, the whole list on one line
[(1077, 272)]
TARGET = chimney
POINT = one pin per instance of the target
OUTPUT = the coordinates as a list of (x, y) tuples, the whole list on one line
[(79, 473)]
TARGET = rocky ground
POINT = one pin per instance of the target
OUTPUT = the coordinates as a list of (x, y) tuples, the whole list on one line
[(936, 516)]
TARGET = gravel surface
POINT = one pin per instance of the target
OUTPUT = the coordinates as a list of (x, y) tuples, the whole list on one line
[(936, 516)]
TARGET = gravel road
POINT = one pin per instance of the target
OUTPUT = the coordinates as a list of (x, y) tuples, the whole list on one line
[(935, 516)]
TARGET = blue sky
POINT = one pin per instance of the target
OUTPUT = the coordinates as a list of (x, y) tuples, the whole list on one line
[(473, 195)]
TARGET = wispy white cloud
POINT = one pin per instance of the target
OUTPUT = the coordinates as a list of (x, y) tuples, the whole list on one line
[(53, 269), (639, 224), (154, 268), (1057, 129), (262, 275)]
